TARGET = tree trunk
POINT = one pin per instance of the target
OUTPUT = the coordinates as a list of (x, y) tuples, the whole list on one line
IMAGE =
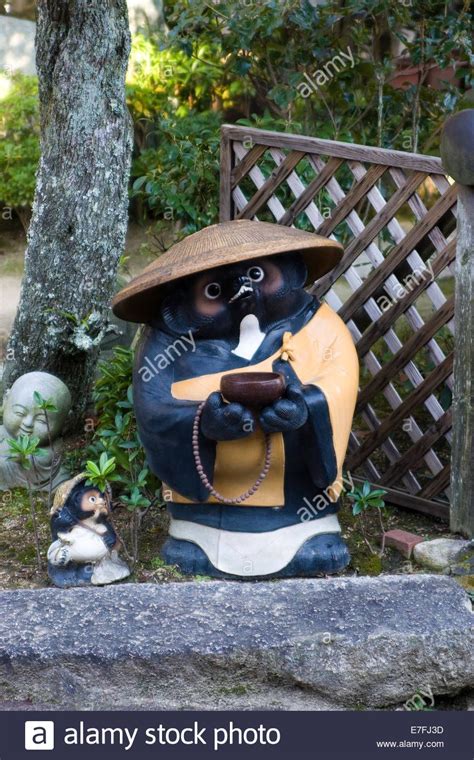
[(79, 221)]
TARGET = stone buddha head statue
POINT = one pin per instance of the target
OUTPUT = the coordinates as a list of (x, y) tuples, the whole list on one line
[(21, 414)]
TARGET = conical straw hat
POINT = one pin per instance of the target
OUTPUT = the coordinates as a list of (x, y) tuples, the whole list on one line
[(64, 490), (219, 245)]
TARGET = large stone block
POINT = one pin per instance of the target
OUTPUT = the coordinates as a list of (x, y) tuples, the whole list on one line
[(295, 644)]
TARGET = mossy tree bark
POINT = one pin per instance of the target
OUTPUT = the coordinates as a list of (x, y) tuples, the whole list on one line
[(78, 226)]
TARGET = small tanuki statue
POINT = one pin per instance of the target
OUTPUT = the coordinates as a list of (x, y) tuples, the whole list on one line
[(22, 416), (85, 546), (244, 390)]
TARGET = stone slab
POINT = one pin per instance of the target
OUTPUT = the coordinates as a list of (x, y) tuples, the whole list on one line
[(295, 644)]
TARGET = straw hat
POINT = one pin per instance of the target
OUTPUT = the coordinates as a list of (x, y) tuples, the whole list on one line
[(219, 245), (63, 491)]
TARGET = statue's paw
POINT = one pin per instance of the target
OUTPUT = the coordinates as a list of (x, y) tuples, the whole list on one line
[(63, 556), (189, 557), (221, 421), (288, 413), (325, 554), (70, 575)]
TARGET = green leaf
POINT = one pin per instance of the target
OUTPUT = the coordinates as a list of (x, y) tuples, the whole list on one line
[(41, 453), (375, 502), (24, 446), (138, 184), (92, 468), (378, 492)]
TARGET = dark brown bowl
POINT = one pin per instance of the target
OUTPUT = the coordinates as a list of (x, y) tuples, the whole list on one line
[(253, 389)]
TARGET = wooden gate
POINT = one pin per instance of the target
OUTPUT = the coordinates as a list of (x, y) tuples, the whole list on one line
[(395, 214)]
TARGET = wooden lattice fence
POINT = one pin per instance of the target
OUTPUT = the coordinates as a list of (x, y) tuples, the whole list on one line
[(395, 213)]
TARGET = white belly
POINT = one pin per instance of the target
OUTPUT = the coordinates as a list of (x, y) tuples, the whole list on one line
[(79, 545), (247, 554)]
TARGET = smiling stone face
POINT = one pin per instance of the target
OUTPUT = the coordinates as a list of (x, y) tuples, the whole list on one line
[(21, 415)]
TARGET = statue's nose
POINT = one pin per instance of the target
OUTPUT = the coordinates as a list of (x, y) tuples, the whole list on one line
[(27, 423), (241, 288)]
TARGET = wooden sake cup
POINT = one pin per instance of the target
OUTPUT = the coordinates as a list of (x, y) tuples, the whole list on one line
[(253, 389)]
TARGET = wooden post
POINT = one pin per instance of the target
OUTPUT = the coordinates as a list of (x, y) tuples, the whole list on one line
[(225, 210), (457, 151)]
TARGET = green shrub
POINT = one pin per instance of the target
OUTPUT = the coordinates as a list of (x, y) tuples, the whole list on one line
[(228, 61), (366, 500), (269, 46), (116, 433), (116, 453), (179, 180), (19, 140), (164, 80)]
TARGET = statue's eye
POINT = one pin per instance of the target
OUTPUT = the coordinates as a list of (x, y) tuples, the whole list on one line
[(256, 274), (212, 291)]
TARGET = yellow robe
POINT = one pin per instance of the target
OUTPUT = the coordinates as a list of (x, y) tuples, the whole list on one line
[(322, 353)]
